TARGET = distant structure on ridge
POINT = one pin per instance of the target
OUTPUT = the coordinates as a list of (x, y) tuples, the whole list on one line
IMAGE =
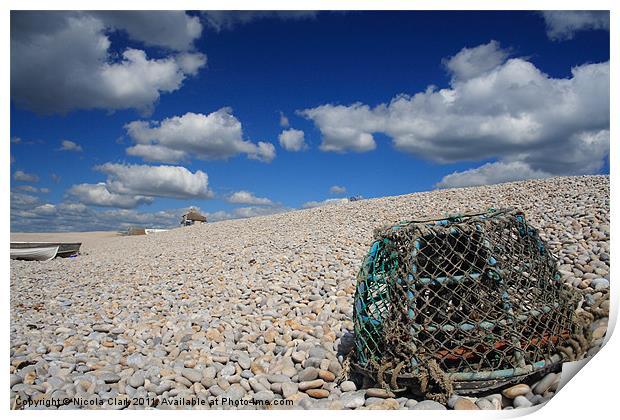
[(192, 216)]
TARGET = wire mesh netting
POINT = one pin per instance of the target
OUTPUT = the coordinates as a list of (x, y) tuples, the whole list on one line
[(467, 298)]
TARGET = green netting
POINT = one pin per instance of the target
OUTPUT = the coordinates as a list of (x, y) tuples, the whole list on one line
[(468, 298)]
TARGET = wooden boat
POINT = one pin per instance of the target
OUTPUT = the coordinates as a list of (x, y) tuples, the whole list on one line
[(45, 253), (64, 249)]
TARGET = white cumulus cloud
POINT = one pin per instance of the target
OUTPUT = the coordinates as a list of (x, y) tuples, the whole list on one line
[(25, 177), (218, 135), (155, 181), (99, 195), (474, 62), (563, 24), (81, 69), (347, 128), (173, 29), (283, 120), (71, 217), (247, 197), (21, 201), (337, 189), (490, 173), (245, 212), (45, 209), (70, 146), (222, 19), (292, 140), (31, 189), (495, 108), (190, 63), (156, 153)]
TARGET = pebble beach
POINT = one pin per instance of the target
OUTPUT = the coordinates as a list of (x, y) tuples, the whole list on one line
[(260, 308)]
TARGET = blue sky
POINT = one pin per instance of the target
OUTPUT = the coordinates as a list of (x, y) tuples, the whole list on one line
[(516, 95)]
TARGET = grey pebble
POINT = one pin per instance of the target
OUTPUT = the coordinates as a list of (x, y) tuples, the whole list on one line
[(429, 405), (136, 361), (227, 371), (109, 377), (308, 374), (244, 361), (15, 379), (236, 392), (348, 386), (192, 375), (545, 383), (216, 391), (136, 380), (411, 403), (264, 395), (521, 402), (298, 356), (209, 373), (288, 389), (276, 379), (600, 284), (485, 404), (317, 352), (353, 399)]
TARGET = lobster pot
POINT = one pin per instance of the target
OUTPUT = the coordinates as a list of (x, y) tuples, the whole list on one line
[(478, 298)]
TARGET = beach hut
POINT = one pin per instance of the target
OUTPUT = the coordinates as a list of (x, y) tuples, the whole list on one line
[(191, 217)]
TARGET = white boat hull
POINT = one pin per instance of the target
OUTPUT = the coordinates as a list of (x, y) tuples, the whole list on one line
[(34, 254), (65, 249), (150, 231)]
